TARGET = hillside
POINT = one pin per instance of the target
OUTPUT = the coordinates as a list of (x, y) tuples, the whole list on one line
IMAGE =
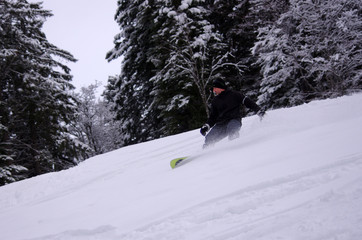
[(295, 175)]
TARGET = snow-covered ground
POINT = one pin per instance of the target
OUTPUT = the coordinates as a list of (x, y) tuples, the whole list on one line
[(295, 175)]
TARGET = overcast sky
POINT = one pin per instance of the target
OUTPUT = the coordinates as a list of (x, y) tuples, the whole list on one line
[(86, 29)]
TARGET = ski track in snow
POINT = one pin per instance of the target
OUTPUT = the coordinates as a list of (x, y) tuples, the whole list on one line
[(238, 215), (281, 203)]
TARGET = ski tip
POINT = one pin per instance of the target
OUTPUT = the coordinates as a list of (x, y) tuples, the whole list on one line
[(176, 161)]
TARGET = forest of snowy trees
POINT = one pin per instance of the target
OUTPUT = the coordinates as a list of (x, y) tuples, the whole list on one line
[(280, 53)]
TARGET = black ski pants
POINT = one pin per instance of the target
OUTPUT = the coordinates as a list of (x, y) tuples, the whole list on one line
[(229, 129)]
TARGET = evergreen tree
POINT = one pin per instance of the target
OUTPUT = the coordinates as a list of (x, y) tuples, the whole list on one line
[(195, 55), (238, 21), (36, 105), (133, 100), (313, 51), (231, 20)]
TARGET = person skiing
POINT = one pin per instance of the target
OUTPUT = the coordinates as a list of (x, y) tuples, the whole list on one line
[(225, 114)]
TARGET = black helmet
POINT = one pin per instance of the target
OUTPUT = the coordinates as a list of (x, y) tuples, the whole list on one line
[(219, 83)]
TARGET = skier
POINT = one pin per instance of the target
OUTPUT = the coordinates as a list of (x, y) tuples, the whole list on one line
[(225, 114)]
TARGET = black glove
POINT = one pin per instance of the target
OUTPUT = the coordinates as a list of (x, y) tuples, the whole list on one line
[(204, 129)]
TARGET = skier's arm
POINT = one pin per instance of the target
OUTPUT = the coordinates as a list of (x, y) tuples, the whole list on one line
[(255, 107), (251, 104)]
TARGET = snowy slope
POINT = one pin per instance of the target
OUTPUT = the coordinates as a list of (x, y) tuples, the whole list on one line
[(295, 175)]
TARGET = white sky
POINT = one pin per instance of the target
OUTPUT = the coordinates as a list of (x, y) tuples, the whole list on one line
[(86, 29)]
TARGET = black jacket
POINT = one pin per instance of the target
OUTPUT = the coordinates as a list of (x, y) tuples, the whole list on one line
[(226, 106)]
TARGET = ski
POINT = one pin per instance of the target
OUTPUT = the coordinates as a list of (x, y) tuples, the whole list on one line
[(183, 160), (178, 161)]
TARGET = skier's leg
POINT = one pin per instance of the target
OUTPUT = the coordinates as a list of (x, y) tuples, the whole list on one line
[(216, 133), (233, 129)]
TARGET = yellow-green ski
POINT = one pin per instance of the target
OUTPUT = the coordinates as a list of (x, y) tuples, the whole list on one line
[(176, 162)]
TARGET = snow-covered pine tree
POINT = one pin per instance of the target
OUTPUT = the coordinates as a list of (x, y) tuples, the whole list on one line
[(312, 51), (333, 33), (229, 19), (255, 14), (36, 105), (134, 43), (195, 56), (238, 21)]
